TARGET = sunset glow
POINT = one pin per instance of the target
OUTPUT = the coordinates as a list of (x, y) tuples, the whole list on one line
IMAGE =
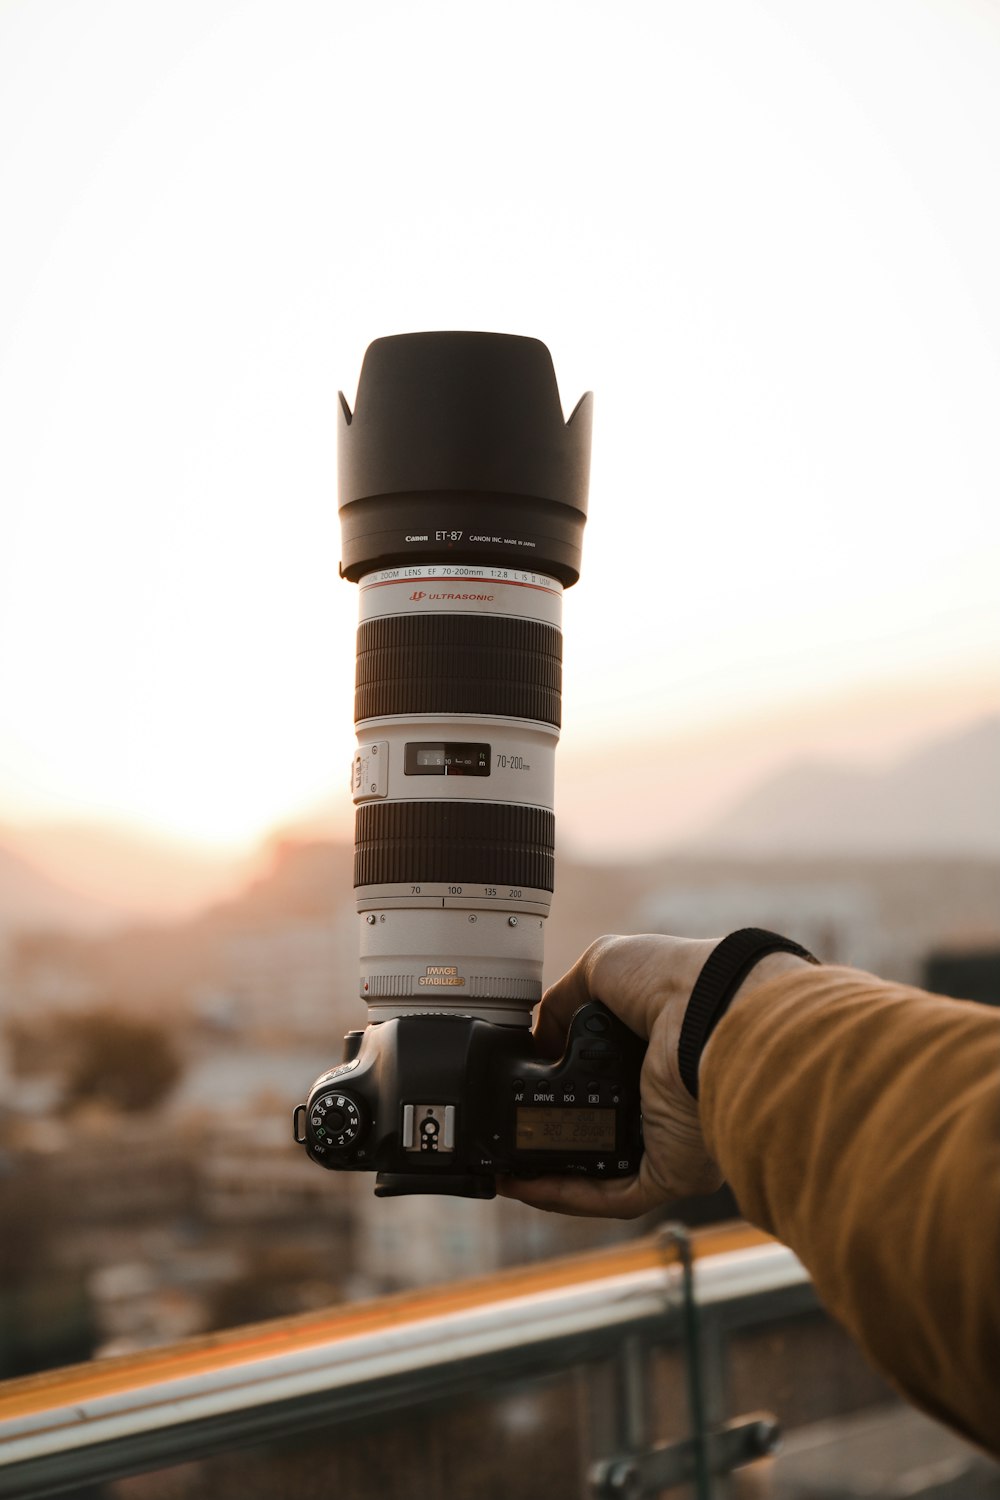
[(765, 235)]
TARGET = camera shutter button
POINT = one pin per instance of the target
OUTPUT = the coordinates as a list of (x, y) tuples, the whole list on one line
[(600, 1025)]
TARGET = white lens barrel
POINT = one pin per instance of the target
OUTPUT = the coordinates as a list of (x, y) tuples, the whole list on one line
[(457, 712)]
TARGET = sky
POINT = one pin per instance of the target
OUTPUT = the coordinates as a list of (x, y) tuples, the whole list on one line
[(764, 233)]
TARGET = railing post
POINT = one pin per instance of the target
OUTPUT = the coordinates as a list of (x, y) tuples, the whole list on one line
[(715, 1447)]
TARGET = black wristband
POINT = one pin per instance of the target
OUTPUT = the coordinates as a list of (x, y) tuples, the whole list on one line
[(722, 973)]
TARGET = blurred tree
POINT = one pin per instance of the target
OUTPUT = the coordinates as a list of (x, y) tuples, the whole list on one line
[(29, 1045), (282, 1281), (123, 1061), (28, 1216), (45, 1315)]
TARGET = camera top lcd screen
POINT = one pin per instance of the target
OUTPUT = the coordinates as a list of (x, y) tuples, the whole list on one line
[(563, 1129)]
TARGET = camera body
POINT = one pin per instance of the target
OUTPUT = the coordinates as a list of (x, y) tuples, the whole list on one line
[(462, 500), (443, 1103)]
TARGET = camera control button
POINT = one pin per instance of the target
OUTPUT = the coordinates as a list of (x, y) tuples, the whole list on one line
[(370, 771), (336, 1120), (600, 1025)]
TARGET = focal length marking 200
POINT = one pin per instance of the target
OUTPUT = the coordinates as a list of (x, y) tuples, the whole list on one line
[(462, 502)]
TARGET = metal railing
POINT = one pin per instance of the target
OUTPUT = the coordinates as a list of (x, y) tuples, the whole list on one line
[(122, 1416)]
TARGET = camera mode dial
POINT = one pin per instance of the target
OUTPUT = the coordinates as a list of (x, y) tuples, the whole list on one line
[(336, 1120)]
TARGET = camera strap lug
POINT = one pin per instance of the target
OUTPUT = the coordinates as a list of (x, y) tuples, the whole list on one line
[(299, 1131)]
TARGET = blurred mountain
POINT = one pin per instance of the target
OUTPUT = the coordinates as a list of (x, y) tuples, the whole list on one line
[(124, 872), (30, 899), (298, 880), (942, 799)]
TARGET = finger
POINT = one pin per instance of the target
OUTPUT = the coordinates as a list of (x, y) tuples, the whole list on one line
[(621, 1198), (562, 999)]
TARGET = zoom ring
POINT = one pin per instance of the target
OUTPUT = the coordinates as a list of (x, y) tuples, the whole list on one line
[(489, 666), (484, 843)]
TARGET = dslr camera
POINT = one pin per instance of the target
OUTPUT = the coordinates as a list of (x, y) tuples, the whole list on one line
[(462, 500)]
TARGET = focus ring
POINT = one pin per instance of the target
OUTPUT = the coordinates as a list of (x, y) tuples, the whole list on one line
[(489, 666), (483, 843)]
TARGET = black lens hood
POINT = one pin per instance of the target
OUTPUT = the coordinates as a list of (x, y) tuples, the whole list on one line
[(457, 451)]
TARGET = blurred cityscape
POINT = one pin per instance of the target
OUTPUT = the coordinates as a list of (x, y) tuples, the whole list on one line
[(149, 1187)]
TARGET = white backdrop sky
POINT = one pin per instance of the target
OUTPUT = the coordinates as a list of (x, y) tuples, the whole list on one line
[(766, 233)]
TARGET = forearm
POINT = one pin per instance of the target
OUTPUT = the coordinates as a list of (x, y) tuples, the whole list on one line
[(859, 1122)]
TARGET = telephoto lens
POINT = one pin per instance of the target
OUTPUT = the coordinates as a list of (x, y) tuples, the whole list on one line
[(463, 495)]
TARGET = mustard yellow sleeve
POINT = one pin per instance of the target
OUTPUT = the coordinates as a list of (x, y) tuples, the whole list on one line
[(859, 1122)]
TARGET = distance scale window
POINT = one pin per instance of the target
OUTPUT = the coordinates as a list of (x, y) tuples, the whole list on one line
[(437, 758)]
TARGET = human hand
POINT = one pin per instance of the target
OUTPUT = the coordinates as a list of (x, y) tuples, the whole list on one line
[(647, 982)]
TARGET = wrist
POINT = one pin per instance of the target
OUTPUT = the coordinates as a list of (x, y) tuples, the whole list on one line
[(729, 965), (767, 968), (771, 966)]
